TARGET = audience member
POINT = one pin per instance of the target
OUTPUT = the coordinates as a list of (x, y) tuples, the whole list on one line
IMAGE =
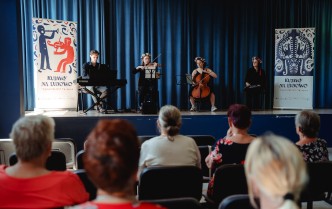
[(28, 184), (313, 148), (233, 147), (111, 162), (170, 148), (276, 173)]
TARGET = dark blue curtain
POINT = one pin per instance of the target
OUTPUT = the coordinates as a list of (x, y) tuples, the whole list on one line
[(226, 33)]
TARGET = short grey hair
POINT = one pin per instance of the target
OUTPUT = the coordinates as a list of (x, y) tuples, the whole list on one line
[(170, 119), (308, 123), (32, 135)]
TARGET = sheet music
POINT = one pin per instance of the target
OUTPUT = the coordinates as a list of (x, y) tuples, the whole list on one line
[(150, 72), (189, 79)]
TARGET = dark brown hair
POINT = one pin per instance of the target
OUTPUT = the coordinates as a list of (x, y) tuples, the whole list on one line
[(240, 115), (111, 155), (93, 51)]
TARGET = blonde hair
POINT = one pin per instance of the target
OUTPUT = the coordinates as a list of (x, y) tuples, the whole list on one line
[(32, 135), (170, 120), (276, 167)]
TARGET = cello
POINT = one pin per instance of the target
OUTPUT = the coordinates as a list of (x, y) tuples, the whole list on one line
[(201, 89)]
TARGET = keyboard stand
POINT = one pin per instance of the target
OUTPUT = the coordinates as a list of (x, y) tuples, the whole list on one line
[(100, 99), (84, 89)]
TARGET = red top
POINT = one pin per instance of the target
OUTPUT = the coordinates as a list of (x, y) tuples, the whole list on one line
[(56, 189), (138, 205)]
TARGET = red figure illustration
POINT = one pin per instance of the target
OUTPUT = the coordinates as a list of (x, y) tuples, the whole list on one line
[(66, 46)]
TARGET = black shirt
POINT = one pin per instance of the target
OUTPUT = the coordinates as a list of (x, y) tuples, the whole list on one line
[(254, 77)]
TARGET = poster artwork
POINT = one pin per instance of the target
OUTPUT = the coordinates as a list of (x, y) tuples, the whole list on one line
[(55, 63), (294, 66)]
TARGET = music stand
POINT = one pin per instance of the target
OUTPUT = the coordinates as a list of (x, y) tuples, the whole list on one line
[(150, 72), (189, 79)]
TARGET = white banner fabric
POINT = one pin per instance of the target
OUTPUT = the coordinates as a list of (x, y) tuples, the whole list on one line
[(55, 64), (294, 65)]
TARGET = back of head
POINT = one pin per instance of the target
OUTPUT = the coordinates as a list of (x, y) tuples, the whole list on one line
[(275, 167), (240, 115), (111, 155), (32, 136), (308, 123), (170, 119)]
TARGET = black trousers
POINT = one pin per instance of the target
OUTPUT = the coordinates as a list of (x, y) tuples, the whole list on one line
[(254, 98)]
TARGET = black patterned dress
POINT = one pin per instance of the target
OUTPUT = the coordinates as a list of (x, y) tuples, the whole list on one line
[(226, 152), (315, 151)]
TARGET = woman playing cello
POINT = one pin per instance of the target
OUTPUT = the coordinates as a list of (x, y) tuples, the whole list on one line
[(203, 85)]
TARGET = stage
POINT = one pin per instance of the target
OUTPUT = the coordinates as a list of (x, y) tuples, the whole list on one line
[(77, 125)]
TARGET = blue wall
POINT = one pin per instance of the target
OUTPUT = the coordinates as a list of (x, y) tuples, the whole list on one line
[(11, 74)]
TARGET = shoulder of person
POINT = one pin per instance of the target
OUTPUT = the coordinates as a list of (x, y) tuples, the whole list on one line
[(148, 142), (323, 141), (87, 205), (221, 140), (187, 137), (67, 175), (86, 63), (184, 137)]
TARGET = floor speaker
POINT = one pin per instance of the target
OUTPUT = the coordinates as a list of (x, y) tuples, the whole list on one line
[(149, 107)]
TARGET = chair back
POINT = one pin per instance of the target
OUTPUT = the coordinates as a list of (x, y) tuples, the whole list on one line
[(170, 182), (320, 182), (88, 185), (229, 179), (79, 159), (6, 149), (55, 162), (239, 201), (202, 140), (177, 203), (64, 145), (68, 147), (206, 172)]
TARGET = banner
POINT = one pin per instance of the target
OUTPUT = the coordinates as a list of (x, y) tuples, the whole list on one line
[(294, 65), (55, 64)]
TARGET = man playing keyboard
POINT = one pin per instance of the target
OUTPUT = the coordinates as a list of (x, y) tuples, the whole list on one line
[(87, 68)]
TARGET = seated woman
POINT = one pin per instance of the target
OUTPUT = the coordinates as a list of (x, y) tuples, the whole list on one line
[(28, 184), (111, 162), (232, 148), (202, 78), (313, 148), (170, 148), (276, 173)]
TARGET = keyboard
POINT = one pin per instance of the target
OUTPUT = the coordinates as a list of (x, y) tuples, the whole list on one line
[(88, 82)]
